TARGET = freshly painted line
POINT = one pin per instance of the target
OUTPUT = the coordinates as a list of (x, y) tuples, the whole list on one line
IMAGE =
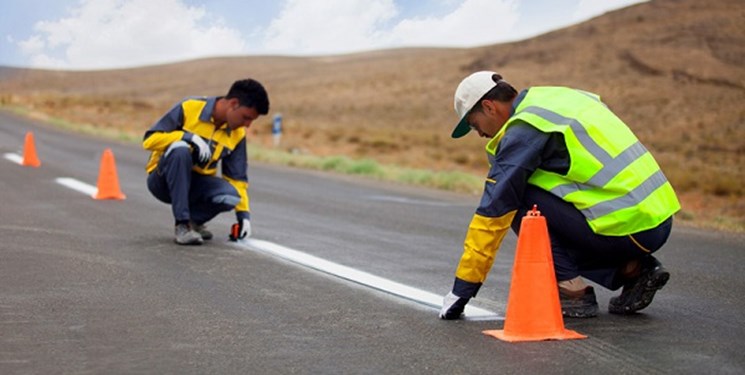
[(310, 261), (18, 159), (361, 277), (77, 185)]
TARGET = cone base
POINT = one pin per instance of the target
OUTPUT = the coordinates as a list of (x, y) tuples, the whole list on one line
[(31, 163), (116, 196), (565, 334)]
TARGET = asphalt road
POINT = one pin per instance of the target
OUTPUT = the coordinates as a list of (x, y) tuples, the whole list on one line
[(99, 287)]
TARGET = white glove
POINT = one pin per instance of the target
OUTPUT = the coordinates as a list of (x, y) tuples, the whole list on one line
[(204, 149), (245, 229), (453, 306), (240, 230)]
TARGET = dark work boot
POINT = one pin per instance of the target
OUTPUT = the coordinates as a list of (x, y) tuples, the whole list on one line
[(638, 293), (578, 304)]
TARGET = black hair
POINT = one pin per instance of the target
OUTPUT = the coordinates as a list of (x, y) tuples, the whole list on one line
[(250, 93), (502, 92)]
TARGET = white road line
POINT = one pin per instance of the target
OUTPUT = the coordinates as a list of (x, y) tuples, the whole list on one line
[(361, 277), (64, 181), (18, 159), (77, 185), (310, 261)]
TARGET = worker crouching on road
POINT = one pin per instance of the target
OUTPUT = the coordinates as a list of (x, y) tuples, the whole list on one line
[(188, 142), (607, 204)]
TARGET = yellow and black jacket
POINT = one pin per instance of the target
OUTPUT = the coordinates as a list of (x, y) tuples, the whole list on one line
[(194, 116)]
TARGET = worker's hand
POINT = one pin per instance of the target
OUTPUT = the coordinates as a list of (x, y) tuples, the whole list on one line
[(245, 228), (202, 147), (240, 230), (453, 306)]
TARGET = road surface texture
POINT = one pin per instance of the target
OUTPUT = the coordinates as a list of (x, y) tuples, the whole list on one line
[(99, 287)]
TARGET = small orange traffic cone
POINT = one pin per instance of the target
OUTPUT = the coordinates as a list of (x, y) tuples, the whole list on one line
[(29, 152), (533, 308), (108, 182)]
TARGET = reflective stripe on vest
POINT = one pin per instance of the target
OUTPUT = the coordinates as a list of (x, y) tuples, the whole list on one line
[(612, 166), (618, 195)]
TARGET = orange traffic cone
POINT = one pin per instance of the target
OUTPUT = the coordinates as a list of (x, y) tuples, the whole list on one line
[(29, 152), (108, 182), (533, 308)]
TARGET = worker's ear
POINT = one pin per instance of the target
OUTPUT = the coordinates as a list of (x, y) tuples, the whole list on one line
[(495, 108), (233, 103), (489, 107)]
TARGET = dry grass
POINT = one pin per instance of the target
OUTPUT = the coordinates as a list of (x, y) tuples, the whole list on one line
[(673, 70)]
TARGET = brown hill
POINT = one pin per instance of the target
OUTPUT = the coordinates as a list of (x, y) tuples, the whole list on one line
[(672, 69)]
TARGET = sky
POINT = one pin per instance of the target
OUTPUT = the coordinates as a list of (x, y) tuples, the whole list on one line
[(110, 34)]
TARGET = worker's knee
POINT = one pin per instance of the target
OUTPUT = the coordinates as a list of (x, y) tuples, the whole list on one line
[(178, 149), (228, 201)]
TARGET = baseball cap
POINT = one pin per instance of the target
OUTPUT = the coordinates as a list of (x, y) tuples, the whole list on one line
[(469, 92)]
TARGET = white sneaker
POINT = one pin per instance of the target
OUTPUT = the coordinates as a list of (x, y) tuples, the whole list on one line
[(187, 236), (202, 230)]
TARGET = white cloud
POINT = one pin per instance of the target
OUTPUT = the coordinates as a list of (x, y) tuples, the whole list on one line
[(328, 26), (32, 46), (474, 22), (334, 26), (97, 34), (121, 33)]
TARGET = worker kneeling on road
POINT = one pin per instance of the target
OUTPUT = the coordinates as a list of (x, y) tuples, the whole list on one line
[(188, 142), (607, 204)]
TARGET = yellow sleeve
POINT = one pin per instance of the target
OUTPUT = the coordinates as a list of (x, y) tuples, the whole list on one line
[(480, 247), (242, 187), (159, 141)]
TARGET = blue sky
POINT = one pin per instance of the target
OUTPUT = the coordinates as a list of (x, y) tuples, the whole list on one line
[(104, 34)]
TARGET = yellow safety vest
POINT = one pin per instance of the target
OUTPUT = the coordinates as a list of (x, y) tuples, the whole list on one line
[(612, 178)]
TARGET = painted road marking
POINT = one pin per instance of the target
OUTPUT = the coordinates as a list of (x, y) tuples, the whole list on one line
[(360, 277), (347, 273), (64, 181), (18, 159), (77, 185)]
